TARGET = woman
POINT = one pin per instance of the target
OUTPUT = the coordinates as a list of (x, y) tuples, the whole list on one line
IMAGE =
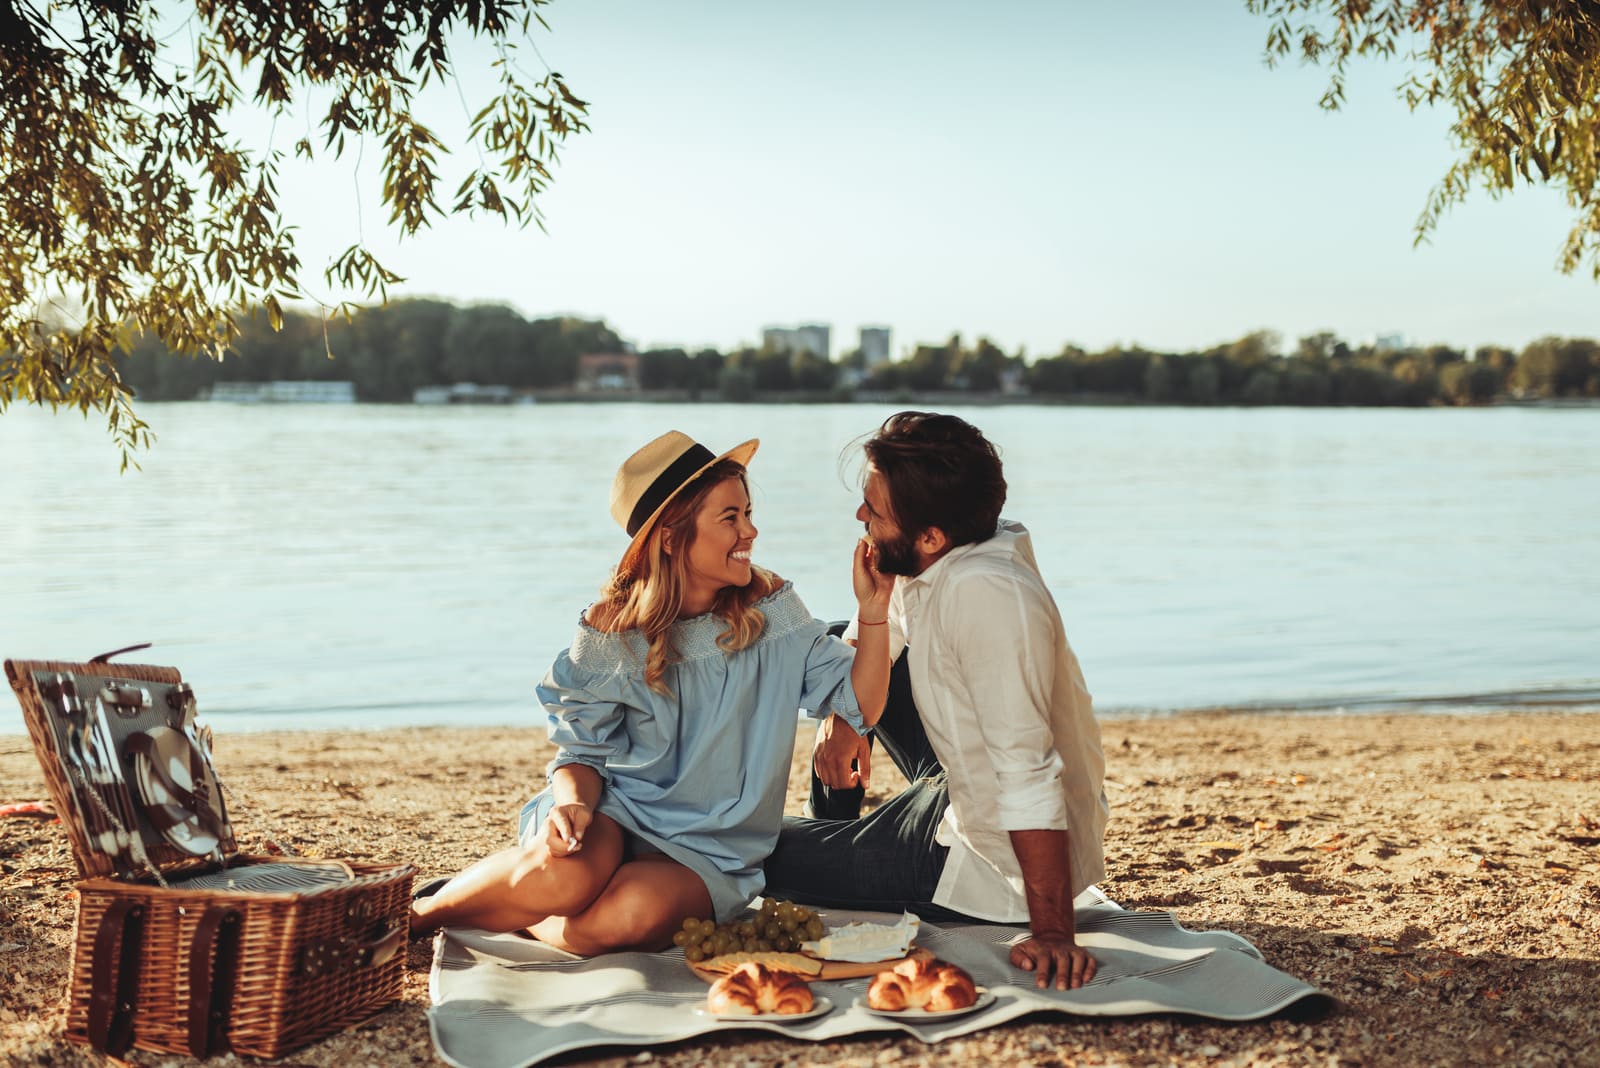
[(675, 714)]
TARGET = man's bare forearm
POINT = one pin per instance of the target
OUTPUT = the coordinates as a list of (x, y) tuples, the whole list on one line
[(1046, 867), (1051, 952)]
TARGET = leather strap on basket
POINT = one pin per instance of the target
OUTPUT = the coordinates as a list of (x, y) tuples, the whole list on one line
[(211, 980), (114, 975)]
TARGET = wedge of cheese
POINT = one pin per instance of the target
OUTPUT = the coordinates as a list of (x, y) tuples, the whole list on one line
[(866, 942)]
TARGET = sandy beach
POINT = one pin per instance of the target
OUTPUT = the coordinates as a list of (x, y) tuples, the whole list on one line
[(1438, 875)]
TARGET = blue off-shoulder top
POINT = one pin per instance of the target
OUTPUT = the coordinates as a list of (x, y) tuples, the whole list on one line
[(699, 773)]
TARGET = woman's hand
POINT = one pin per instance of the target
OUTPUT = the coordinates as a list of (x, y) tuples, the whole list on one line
[(872, 587), (564, 827)]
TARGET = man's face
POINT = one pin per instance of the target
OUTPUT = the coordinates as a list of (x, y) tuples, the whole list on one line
[(896, 550)]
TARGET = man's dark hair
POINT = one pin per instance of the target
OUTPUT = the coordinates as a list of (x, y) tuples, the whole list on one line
[(940, 472)]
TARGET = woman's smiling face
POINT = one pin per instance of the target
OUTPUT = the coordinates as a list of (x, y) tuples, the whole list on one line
[(723, 535)]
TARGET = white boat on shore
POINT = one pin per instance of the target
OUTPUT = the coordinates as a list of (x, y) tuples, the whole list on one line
[(469, 393), (290, 392)]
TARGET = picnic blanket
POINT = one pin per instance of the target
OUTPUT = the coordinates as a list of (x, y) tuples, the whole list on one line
[(505, 1001)]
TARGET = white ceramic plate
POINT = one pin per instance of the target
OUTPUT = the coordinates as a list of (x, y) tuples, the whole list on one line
[(819, 1005), (172, 749), (985, 999)]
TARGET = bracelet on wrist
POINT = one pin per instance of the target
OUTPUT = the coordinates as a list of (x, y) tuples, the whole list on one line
[(871, 623)]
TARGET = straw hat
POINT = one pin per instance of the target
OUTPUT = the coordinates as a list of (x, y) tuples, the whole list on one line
[(649, 479)]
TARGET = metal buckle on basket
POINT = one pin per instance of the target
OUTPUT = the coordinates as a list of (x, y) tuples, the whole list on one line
[(322, 957), (361, 911), (372, 948), (180, 699), (126, 701)]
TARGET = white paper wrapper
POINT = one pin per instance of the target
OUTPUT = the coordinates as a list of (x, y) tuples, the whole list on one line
[(864, 943)]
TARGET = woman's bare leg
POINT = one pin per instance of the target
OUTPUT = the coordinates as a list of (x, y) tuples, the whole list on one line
[(516, 888), (640, 908)]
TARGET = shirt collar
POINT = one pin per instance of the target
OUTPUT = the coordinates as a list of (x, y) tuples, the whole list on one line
[(941, 565), (1009, 536)]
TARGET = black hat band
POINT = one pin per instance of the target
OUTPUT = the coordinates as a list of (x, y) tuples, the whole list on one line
[(667, 483)]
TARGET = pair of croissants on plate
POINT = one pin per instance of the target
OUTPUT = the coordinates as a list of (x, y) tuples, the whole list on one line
[(931, 985)]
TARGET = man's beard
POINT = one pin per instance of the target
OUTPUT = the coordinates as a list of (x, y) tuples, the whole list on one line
[(897, 557)]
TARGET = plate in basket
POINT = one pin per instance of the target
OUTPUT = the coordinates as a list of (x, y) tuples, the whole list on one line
[(169, 757)]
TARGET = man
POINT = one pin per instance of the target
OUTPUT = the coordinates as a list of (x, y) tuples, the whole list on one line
[(988, 718)]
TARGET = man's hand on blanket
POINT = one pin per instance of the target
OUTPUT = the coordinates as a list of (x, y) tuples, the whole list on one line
[(564, 828), (1054, 956), (842, 758)]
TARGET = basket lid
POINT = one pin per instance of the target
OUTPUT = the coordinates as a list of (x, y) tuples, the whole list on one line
[(126, 763)]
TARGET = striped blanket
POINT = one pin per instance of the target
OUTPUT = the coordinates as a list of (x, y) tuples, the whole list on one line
[(503, 1001)]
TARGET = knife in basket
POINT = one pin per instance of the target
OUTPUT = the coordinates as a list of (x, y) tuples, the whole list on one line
[(129, 839), (211, 808), (102, 780), (70, 712)]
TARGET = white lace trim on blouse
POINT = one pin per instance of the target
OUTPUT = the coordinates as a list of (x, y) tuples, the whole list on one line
[(692, 639)]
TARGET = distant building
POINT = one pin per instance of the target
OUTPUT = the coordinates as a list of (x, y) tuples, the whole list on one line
[(874, 346), (815, 338), (604, 371), (1389, 342), (293, 392)]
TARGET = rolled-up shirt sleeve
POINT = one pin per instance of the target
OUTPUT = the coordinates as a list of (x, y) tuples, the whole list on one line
[(827, 686), (583, 720), (1006, 655)]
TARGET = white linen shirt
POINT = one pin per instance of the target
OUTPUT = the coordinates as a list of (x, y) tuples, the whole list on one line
[(1008, 714)]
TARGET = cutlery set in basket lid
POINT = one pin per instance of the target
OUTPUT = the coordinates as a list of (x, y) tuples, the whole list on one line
[(184, 945)]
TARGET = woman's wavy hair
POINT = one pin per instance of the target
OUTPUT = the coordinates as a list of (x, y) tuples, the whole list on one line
[(649, 595)]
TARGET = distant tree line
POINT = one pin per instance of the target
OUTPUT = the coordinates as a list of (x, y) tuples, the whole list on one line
[(1323, 370), (390, 351)]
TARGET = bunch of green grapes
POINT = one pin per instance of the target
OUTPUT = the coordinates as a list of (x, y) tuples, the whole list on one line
[(780, 927)]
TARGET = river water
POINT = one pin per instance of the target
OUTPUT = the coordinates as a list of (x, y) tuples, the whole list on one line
[(361, 566)]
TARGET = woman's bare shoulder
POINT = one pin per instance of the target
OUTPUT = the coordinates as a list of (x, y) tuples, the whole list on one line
[(602, 616)]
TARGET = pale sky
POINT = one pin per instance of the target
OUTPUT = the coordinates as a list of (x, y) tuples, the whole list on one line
[(1037, 172)]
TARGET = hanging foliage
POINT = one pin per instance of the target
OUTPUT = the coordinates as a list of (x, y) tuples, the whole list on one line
[(127, 206), (1522, 78)]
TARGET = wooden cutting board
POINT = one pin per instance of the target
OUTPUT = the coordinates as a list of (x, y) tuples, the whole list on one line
[(834, 969)]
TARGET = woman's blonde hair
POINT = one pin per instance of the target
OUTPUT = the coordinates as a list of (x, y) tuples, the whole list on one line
[(649, 595)]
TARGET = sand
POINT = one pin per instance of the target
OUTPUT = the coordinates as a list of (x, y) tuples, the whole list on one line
[(1439, 875)]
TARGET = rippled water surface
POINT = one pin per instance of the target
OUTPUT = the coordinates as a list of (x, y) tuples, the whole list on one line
[(360, 566)]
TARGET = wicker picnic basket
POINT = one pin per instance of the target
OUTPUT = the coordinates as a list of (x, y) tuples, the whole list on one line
[(178, 952)]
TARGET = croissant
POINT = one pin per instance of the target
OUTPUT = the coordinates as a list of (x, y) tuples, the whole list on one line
[(754, 988), (932, 985)]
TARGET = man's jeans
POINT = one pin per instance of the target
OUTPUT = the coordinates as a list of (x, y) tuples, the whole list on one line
[(887, 860)]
